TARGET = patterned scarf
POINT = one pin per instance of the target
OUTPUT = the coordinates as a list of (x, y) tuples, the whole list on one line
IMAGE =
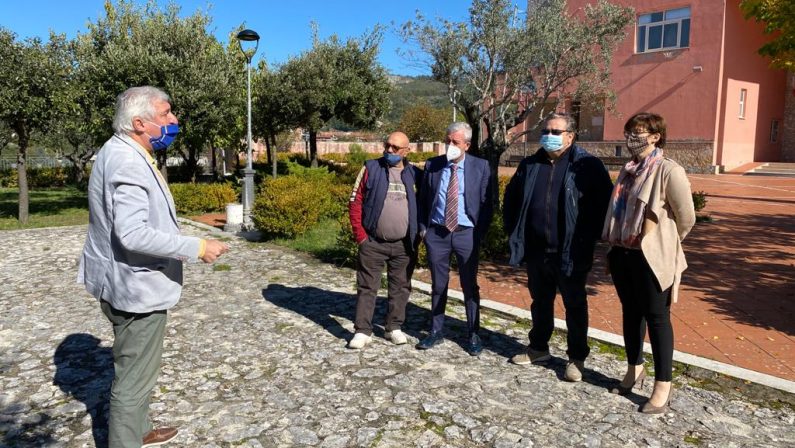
[(625, 222)]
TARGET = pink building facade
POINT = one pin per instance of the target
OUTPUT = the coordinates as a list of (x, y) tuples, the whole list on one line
[(696, 64)]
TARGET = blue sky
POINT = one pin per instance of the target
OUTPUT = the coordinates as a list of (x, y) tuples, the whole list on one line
[(283, 25)]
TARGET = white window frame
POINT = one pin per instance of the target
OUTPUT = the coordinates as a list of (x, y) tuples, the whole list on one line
[(743, 101), (774, 131), (679, 21)]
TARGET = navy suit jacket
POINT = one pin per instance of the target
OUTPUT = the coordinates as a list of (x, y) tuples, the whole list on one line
[(477, 192)]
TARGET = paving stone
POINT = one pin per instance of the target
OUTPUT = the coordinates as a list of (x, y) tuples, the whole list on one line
[(256, 357)]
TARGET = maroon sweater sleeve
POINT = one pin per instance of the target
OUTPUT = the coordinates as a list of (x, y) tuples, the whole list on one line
[(355, 206)]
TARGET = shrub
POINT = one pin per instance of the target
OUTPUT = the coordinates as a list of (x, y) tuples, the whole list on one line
[(357, 156), (290, 205), (417, 157), (699, 200), (346, 246), (287, 206), (202, 198), (334, 157), (494, 246), (8, 178), (37, 177)]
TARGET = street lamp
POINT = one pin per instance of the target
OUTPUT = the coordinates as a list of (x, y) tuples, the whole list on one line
[(248, 172)]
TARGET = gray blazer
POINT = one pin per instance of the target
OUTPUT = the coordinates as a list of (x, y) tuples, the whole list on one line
[(133, 253)]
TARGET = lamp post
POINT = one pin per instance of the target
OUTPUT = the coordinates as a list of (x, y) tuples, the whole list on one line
[(248, 172)]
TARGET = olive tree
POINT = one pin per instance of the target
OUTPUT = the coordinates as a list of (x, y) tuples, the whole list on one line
[(335, 80), (133, 45), (32, 79), (500, 71)]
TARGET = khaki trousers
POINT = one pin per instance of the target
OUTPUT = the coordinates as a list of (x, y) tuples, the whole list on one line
[(137, 349)]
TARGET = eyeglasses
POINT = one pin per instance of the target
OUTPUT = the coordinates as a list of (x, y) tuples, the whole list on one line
[(636, 134), (388, 145), (553, 131)]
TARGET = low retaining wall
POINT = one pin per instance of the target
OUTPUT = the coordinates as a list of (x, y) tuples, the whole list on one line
[(695, 156), (337, 147)]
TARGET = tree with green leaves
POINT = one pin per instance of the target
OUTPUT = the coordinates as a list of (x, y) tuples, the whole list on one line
[(270, 116), (133, 45), (335, 80), (778, 17), (423, 123), (500, 71), (33, 78), (6, 135)]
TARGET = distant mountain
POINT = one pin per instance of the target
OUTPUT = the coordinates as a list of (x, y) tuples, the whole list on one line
[(411, 90)]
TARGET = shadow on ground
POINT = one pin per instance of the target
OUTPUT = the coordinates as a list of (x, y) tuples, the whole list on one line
[(744, 266), (84, 370), (24, 429), (326, 307)]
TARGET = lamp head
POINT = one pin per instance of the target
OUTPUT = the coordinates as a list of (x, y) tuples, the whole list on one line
[(248, 36)]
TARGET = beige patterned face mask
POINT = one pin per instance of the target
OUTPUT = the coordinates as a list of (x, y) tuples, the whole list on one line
[(637, 143)]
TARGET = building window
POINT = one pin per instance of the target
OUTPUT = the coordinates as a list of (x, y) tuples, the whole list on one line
[(664, 30), (774, 131), (743, 97)]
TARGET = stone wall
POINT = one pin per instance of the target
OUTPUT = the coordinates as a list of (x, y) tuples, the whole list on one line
[(787, 130), (331, 147), (694, 156)]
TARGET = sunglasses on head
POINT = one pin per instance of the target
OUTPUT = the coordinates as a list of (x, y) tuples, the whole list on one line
[(553, 131)]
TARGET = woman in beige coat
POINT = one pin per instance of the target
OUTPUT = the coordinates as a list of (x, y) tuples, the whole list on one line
[(651, 211)]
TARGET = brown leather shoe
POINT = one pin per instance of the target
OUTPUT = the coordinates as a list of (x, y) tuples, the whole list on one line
[(159, 436)]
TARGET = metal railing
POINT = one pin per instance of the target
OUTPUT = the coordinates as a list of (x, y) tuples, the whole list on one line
[(35, 162)]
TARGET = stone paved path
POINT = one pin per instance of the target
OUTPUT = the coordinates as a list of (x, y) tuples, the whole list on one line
[(254, 356)]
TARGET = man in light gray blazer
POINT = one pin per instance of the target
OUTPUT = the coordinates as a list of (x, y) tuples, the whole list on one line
[(133, 255)]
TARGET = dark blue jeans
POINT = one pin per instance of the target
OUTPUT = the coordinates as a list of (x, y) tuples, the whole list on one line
[(441, 243), (544, 279)]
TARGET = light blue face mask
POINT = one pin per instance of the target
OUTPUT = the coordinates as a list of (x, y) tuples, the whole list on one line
[(551, 142), (392, 159), (167, 135)]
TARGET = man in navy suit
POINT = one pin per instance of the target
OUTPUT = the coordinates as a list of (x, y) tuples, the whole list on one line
[(455, 211)]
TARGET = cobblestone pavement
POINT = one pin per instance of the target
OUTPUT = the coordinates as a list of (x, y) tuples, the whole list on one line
[(255, 356)]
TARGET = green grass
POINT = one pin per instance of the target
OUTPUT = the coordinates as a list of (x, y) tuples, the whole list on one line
[(221, 267), (48, 208), (320, 241)]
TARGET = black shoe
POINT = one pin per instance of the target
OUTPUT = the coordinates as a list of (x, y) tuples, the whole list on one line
[(435, 338), (475, 346)]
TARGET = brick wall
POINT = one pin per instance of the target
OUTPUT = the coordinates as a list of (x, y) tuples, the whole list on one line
[(788, 125), (327, 147)]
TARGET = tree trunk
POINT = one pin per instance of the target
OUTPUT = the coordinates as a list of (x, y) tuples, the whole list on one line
[(161, 157), (22, 176), (214, 162), (313, 148), (192, 165), (268, 149), (274, 159)]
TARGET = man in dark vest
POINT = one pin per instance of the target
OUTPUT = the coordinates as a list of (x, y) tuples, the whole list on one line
[(383, 212)]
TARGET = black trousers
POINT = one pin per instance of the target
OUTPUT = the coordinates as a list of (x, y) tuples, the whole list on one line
[(399, 259), (544, 278), (643, 304)]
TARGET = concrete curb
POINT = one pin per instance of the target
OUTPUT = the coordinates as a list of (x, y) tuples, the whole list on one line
[(615, 339)]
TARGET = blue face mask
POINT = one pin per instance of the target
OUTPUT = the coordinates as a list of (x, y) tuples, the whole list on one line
[(392, 159), (167, 135), (551, 142)]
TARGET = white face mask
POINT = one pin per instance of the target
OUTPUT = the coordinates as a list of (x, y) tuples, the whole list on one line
[(453, 152)]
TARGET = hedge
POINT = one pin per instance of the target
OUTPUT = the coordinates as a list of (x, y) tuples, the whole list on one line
[(202, 198)]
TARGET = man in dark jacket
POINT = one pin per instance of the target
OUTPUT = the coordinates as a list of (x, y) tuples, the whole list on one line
[(553, 212), (383, 212), (455, 213)]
